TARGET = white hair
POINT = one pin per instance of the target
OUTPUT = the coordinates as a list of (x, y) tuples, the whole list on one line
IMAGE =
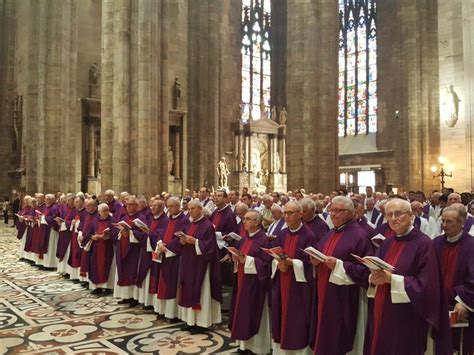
[(346, 201)]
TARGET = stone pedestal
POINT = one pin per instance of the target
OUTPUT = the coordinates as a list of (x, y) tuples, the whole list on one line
[(93, 185)]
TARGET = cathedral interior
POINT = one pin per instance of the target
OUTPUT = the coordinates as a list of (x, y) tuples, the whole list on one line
[(148, 96)]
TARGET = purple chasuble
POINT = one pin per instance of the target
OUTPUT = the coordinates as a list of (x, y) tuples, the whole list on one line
[(101, 252), (157, 227), (402, 328), (250, 290), (169, 268), (335, 307), (50, 213), (193, 267), (458, 275), (127, 251), (291, 300), (65, 236), (318, 227)]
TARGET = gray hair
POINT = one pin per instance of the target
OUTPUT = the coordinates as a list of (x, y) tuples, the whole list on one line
[(346, 201), (460, 210), (295, 204), (109, 192), (103, 207), (173, 201), (308, 203), (258, 215), (195, 202)]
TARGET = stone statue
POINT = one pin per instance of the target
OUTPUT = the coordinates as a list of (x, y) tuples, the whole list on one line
[(16, 132), (176, 93), (283, 116), (170, 160), (273, 113), (97, 162), (222, 172), (452, 106), (94, 79)]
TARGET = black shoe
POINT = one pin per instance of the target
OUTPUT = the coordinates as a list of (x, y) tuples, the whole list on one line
[(125, 301), (133, 303), (97, 291)]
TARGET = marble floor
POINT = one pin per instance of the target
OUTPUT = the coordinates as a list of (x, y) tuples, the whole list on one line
[(43, 313)]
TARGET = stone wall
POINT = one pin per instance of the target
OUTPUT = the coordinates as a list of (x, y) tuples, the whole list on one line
[(456, 65)]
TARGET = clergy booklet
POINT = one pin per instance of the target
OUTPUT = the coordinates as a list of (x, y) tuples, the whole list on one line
[(122, 225), (234, 236), (271, 237), (180, 235), (315, 253), (471, 231), (374, 263), (234, 251), (140, 224), (377, 239), (277, 253)]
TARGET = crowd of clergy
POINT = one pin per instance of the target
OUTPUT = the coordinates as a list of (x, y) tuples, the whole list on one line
[(175, 253)]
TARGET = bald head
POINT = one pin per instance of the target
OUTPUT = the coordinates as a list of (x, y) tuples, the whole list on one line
[(240, 209)]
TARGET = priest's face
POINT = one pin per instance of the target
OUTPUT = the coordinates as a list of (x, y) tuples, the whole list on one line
[(173, 208), (340, 214), (292, 216), (104, 213), (132, 207), (109, 198), (399, 217), (195, 212), (251, 223), (451, 223)]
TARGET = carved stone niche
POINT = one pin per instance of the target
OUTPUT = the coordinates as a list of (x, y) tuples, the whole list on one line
[(259, 156), (176, 155), (91, 162)]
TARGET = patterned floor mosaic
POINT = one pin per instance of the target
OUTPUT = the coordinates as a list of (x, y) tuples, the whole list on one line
[(42, 313)]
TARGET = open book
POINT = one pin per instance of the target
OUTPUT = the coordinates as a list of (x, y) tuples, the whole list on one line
[(277, 253), (140, 224), (122, 225), (374, 263), (234, 251), (315, 253), (455, 322), (233, 236)]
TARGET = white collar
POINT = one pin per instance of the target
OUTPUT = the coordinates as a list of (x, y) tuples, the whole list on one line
[(197, 220), (252, 234), (157, 216), (406, 233), (455, 238), (297, 229), (176, 215), (221, 209)]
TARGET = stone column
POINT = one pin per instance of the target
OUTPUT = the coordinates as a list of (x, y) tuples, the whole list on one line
[(312, 75), (90, 149), (177, 154), (214, 75)]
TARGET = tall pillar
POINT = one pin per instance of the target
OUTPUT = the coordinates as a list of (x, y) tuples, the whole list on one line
[(214, 73), (312, 75)]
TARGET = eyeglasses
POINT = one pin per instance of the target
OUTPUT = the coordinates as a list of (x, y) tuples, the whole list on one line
[(249, 219), (395, 214), (337, 210), (448, 221), (289, 213)]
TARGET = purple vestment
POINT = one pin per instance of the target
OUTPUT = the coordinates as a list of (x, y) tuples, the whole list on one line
[(193, 267), (250, 290), (291, 300), (101, 252), (318, 227), (335, 307)]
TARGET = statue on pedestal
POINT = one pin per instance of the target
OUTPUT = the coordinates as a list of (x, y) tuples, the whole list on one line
[(283, 116), (452, 107), (222, 172), (176, 93), (170, 161)]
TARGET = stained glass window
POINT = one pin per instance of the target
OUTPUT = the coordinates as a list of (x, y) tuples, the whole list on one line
[(357, 113), (256, 60)]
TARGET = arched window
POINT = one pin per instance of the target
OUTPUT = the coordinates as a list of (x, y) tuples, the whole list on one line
[(256, 60), (357, 67)]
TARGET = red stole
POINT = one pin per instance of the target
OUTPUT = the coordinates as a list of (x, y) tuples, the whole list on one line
[(449, 261), (169, 231), (383, 291), (161, 293), (244, 249), (285, 282), (217, 219), (124, 241), (323, 273)]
